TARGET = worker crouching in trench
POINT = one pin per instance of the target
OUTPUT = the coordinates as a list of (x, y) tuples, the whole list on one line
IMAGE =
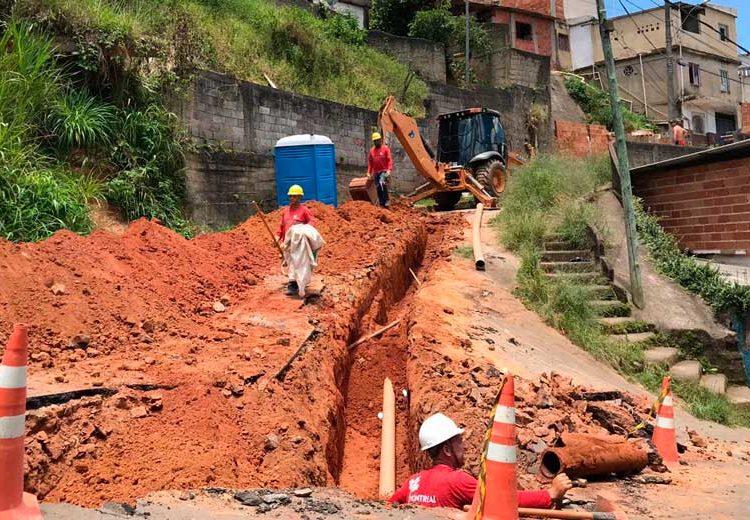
[(300, 242), (446, 485)]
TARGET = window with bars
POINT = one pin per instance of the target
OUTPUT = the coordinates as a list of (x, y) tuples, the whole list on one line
[(724, 32), (724, 77), (563, 42)]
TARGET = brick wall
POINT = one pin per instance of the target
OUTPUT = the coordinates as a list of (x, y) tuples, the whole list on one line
[(426, 57), (706, 206), (541, 29), (581, 139), (745, 118)]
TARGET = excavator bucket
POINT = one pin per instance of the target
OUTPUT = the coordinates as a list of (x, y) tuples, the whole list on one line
[(363, 188)]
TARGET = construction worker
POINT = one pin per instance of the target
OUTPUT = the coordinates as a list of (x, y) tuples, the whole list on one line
[(293, 214), (446, 485), (679, 134), (379, 166)]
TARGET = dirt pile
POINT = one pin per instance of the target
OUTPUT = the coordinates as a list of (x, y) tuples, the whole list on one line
[(189, 393)]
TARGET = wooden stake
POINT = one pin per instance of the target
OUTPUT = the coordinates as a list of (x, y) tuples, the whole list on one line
[(376, 333), (419, 284)]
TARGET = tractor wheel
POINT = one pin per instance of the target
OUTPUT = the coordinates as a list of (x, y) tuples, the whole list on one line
[(492, 177), (447, 200)]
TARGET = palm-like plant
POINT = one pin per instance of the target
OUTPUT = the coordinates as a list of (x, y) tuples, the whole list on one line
[(77, 120)]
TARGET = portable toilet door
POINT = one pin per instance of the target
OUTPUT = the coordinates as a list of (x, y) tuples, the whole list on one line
[(310, 161)]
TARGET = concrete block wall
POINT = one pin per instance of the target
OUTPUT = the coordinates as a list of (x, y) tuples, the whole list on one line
[(581, 139), (426, 57), (745, 118), (706, 206), (641, 154), (507, 66)]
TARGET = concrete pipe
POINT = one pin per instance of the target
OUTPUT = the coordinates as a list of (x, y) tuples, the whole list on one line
[(581, 455), (476, 238), (388, 442)]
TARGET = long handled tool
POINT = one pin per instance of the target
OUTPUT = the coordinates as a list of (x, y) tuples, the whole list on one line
[(526, 512), (265, 223)]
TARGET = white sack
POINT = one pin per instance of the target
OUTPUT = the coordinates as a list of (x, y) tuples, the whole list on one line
[(301, 243)]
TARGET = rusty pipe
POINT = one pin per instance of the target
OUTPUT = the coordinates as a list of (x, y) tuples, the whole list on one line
[(527, 512), (476, 239), (388, 442), (582, 455)]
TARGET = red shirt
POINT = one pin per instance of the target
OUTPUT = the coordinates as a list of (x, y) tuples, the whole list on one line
[(379, 159), (290, 217), (443, 486)]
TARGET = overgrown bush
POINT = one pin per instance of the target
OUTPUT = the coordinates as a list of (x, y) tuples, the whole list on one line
[(78, 120), (395, 16), (700, 278), (596, 105)]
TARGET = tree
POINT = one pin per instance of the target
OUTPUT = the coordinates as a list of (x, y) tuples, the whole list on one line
[(394, 16)]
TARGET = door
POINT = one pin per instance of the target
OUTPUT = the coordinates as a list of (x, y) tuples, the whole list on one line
[(725, 124)]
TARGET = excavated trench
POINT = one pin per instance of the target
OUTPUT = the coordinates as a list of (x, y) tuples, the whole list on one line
[(318, 425)]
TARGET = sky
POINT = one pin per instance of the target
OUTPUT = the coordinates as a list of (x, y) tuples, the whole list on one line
[(742, 7)]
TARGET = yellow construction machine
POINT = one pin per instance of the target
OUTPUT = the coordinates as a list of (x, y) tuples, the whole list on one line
[(472, 156)]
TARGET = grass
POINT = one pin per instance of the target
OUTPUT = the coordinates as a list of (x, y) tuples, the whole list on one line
[(464, 252), (547, 197), (322, 57)]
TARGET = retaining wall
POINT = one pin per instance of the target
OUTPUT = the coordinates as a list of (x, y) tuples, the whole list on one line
[(426, 57)]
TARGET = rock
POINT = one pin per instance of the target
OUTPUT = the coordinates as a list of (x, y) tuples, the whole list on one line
[(187, 495), (81, 340), (739, 395), (219, 307), (303, 493), (696, 439), (139, 412), (277, 498), (92, 352), (97, 383), (132, 366), (686, 371), (224, 300), (226, 392), (149, 326), (60, 378), (149, 360), (237, 390), (659, 355), (284, 342), (251, 280), (297, 439), (39, 356), (248, 498), (58, 289), (323, 507), (272, 442), (716, 383)]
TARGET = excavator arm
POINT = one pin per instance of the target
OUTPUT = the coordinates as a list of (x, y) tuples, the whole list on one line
[(440, 176)]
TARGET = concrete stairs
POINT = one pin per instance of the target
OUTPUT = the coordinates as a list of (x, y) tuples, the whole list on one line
[(561, 261)]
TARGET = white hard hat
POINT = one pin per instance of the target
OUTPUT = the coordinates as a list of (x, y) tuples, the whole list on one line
[(437, 429)]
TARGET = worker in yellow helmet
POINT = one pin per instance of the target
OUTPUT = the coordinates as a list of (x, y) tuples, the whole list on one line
[(379, 167), (295, 213)]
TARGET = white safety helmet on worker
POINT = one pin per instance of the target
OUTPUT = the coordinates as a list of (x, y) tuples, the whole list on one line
[(437, 429)]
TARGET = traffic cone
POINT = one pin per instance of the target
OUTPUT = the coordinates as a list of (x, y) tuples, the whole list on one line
[(14, 503), (496, 497), (664, 437)]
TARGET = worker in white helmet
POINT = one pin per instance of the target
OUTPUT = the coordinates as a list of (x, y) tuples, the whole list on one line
[(446, 485)]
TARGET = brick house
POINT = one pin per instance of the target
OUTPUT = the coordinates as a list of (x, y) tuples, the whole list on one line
[(533, 26)]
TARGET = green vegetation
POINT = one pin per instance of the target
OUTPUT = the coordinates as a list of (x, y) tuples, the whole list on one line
[(548, 197), (596, 105), (62, 147), (320, 56), (464, 252), (699, 278)]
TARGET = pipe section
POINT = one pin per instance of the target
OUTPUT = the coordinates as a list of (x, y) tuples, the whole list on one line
[(388, 442), (527, 512), (476, 239), (582, 455)]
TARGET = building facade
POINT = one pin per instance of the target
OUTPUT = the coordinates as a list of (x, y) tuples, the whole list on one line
[(706, 69)]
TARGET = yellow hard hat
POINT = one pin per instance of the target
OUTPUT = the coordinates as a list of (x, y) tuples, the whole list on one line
[(376, 136), (295, 189)]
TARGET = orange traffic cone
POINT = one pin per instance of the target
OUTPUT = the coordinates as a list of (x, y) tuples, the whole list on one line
[(664, 437), (14, 503), (496, 497)]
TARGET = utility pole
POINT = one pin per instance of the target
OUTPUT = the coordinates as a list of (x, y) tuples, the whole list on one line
[(466, 55), (671, 100), (636, 289)]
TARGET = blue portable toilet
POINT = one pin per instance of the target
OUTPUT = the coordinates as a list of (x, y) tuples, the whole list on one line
[(310, 161)]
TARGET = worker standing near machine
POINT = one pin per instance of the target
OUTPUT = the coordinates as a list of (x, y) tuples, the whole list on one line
[(294, 214), (446, 485), (379, 167)]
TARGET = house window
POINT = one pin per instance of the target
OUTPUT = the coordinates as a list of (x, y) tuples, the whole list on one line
[(690, 22), (695, 74), (723, 32), (699, 125), (524, 32), (724, 76), (563, 42)]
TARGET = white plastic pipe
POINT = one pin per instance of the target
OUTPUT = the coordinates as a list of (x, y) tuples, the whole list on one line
[(476, 238), (388, 442)]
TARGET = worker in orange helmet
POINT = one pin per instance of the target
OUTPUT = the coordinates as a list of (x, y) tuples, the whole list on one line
[(379, 167), (446, 485), (295, 213)]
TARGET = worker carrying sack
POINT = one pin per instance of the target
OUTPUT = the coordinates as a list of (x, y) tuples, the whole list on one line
[(301, 245)]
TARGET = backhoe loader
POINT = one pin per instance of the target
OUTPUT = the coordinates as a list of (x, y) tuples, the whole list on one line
[(472, 156)]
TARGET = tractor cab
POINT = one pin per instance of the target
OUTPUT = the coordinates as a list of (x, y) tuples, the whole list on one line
[(471, 136)]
